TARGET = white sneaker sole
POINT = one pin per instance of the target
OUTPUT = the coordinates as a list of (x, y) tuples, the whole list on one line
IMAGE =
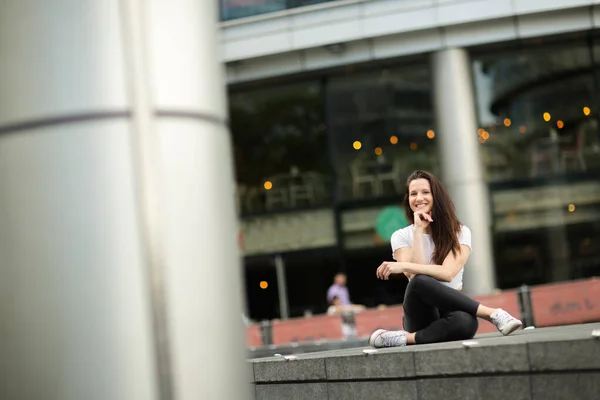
[(511, 327), (374, 336)]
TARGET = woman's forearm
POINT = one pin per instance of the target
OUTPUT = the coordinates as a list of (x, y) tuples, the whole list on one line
[(417, 255), (435, 271)]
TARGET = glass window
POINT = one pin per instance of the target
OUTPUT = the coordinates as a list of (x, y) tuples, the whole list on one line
[(381, 125), (280, 148), (262, 292), (538, 116), (232, 9), (300, 3), (536, 111), (309, 274), (363, 284)]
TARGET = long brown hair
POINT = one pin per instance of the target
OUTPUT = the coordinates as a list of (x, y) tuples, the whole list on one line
[(445, 227)]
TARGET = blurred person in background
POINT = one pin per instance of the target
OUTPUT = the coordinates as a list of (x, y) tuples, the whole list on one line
[(338, 298), (339, 289), (432, 253), (337, 308), (347, 315)]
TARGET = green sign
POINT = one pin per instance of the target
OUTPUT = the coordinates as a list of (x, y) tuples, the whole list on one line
[(389, 220)]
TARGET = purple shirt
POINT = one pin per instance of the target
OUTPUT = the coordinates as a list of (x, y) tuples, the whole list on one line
[(339, 291)]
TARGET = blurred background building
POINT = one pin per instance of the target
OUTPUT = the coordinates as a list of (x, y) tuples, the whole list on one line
[(332, 106)]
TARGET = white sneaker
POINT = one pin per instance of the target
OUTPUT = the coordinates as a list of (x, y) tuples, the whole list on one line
[(505, 322), (382, 338)]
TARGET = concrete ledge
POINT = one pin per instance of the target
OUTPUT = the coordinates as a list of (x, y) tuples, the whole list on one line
[(281, 370), (269, 351), (360, 367), (583, 354), (565, 386), (307, 391), (488, 388), (373, 390), (488, 359), (549, 363)]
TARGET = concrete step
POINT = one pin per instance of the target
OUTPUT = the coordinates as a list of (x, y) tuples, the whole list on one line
[(548, 363)]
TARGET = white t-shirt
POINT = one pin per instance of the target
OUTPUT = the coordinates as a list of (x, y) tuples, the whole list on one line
[(404, 238)]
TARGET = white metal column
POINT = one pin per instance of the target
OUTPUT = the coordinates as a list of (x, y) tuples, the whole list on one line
[(460, 160), (120, 275)]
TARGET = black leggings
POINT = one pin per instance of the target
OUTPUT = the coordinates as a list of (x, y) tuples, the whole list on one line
[(438, 313)]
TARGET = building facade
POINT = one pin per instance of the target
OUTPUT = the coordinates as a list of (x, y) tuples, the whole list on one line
[(334, 103)]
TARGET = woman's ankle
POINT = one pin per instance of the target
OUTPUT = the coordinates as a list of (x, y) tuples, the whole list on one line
[(485, 312)]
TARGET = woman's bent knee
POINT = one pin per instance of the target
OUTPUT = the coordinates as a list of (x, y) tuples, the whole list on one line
[(464, 325), (421, 279)]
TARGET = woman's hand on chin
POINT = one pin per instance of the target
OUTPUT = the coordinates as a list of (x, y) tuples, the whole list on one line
[(388, 268), (422, 219)]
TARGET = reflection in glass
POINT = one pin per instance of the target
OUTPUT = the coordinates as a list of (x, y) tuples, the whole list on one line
[(280, 148), (232, 9), (539, 136), (381, 126), (534, 104)]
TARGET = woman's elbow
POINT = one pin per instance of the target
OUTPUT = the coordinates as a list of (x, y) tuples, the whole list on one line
[(448, 277)]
